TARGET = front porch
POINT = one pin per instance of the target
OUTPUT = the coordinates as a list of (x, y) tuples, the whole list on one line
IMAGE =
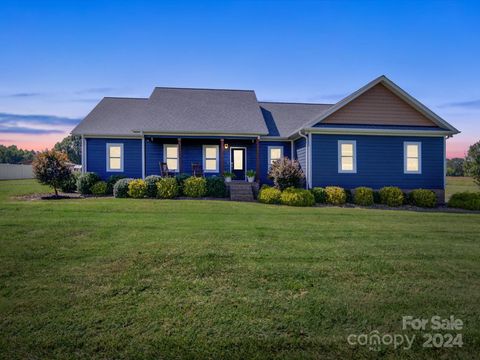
[(213, 155)]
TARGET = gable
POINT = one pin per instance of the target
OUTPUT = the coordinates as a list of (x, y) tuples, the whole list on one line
[(378, 106)]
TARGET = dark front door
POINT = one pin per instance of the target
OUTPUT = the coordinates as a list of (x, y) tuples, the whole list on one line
[(238, 163)]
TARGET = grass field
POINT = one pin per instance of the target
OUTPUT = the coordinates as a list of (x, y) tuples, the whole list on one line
[(121, 278), (459, 184)]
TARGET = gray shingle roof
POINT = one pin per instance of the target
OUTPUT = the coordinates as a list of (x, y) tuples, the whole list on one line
[(283, 119), (177, 110)]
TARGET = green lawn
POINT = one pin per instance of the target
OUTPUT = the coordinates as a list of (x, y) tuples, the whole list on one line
[(121, 278), (459, 184)]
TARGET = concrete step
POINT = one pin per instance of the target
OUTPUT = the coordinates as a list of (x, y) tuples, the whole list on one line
[(241, 192)]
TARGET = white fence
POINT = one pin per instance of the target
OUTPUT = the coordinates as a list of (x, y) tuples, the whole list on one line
[(14, 171)]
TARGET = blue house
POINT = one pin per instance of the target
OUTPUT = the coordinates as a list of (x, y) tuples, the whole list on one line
[(377, 136)]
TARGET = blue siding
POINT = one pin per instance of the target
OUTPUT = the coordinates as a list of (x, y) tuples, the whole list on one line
[(300, 150), (380, 162), (287, 151), (97, 157)]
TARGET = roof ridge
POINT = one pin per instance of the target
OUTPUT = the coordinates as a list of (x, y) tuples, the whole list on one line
[(124, 97), (293, 102), (192, 88)]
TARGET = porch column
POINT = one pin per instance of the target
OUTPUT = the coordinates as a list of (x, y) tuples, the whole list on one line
[(222, 145), (258, 160), (179, 155)]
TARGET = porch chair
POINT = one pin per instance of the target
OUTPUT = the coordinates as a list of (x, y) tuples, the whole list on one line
[(197, 170), (164, 172)]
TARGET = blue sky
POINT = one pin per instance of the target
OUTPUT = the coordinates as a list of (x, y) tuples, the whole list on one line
[(61, 57)]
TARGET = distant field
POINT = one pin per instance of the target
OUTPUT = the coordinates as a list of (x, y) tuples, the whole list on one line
[(458, 184), (161, 279)]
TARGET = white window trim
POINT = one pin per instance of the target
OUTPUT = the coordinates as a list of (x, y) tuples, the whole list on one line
[(109, 145), (165, 146), (269, 153), (205, 158), (405, 157), (354, 155)]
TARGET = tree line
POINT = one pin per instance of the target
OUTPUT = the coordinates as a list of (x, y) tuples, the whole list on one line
[(71, 146), (467, 166)]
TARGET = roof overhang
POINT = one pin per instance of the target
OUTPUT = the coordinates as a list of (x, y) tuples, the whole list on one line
[(397, 91), (379, 132)]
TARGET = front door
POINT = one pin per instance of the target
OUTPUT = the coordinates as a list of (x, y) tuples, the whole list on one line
[(238, 163)]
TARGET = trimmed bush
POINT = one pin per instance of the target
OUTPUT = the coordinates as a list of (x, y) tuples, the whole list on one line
[(286, 173), (269, 195), (167, 188), (465, 200), (85, 182), (335, 195), (297, 197), (151, 182), (112, 180), (120, 189), (70, 184), (180, 181), (99, 188), (391, 196), (137, 189), (195, 187), (319, 194), (363, 196), (423, 198), (216, 187)]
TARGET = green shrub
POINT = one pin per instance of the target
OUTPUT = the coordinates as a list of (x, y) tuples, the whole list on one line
[(216, 187), (151, 182), (319, 194), (195, 187), (423, 198), (269, 195), (112, 180), (465, 200), (297, 197), (85, 182), (120, 189), (99, 188), (137, 189), (167, 188), (391, 196), (335, 195), (363, 196), (69, 185), (180, 181), (349, 196)]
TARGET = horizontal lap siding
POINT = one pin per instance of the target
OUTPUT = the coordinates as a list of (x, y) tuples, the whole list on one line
[(287, 150), (97, 157), (300, 153), (380, 162)]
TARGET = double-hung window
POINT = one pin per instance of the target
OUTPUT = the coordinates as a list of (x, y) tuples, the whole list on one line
[(115, 157), (412, 157), (170, 156), (210, 158), (274, 153), (347, 156)]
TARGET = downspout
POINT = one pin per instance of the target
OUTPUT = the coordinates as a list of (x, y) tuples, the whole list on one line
[(143, 156), (84, 155), (307, 172)]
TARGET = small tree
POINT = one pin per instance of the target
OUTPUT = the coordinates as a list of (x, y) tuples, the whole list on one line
[(472, 162), (286, 173), (50, 168)]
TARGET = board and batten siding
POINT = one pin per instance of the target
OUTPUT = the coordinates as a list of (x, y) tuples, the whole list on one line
[(380, 162), (97, 157), (378, 106)]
